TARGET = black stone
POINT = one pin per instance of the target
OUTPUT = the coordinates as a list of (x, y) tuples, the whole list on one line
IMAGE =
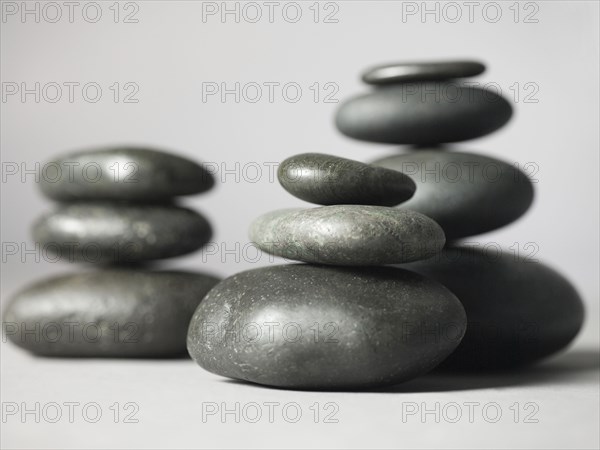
[(348, 235), (330, 180), (313, 327), (120, 233), (112, 313), (423, 114), (123, 173), (518, 310), (466, 193), (421, 71)]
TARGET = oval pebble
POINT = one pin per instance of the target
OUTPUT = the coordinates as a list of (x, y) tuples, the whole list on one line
[(109, 313), (466, 193), (330, 180), (421, 71), (120, 233), (518, 310), (423, 114), (348, 235), (314, 327), (122, 173)]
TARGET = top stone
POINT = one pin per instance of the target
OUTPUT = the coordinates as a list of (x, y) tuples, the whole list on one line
[(330, 180), (122, 174), (421, 71)]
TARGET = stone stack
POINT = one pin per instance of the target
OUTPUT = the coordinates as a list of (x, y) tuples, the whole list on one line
[(115, 210), (518, 309), (342, 321)]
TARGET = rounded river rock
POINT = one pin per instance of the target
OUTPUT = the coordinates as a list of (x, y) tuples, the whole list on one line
[(109, 313), (313, 327), (330, 180), (348, 235), (423, 113), (518, 310), (120, 233), (123, 173), (466, 193), (421, 71)]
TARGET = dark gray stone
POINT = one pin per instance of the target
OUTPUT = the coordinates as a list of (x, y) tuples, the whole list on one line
[(421, 71), (122, 173), (423, 113), (348, 235), (314, 327), (330, 180), (112, 313), (120, 233), (518, 310), (467, 194)]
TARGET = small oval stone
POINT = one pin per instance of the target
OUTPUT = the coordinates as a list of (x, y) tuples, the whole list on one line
[(348, 235), (109, 313), (421, 71), (122, 173), (518, 310), (330, 180), (120, 233), (466, 193), (423, 114), (314, 327)]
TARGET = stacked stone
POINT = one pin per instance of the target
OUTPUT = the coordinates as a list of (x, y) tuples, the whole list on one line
[(116, 209), (342, 321), (518, 310)]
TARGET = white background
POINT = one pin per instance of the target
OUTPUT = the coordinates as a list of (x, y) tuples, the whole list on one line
[(169, 53)]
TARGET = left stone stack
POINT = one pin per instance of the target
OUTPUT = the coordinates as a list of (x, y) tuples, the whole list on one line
[(116, 209)]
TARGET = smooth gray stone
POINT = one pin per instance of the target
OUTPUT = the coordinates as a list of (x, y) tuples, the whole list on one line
[(421, 71), (423, 114), (330, 180), (348, 235), (109, 313), (120, 233), (122, 173), (315, 327), (518, 310), (466, 193)]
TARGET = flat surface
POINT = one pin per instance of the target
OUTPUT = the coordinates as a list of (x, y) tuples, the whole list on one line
[(555, 405)]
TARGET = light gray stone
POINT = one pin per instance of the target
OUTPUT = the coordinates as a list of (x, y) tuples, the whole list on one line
[(348, 235)]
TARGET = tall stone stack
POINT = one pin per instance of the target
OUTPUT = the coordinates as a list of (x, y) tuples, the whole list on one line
[(344, 322), (518, 309), (116, 211)]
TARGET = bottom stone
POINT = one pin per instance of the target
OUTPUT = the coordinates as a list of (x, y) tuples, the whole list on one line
[(519, 310), (321, 327), (111, 313)]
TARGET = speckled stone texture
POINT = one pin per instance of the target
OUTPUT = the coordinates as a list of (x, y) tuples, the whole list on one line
[(423, 113), (421, 71), (348, 235), (122, 173), (120, 233), (518, 310), (111, 313), (330, 180), (466, 193), (308, 327)]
